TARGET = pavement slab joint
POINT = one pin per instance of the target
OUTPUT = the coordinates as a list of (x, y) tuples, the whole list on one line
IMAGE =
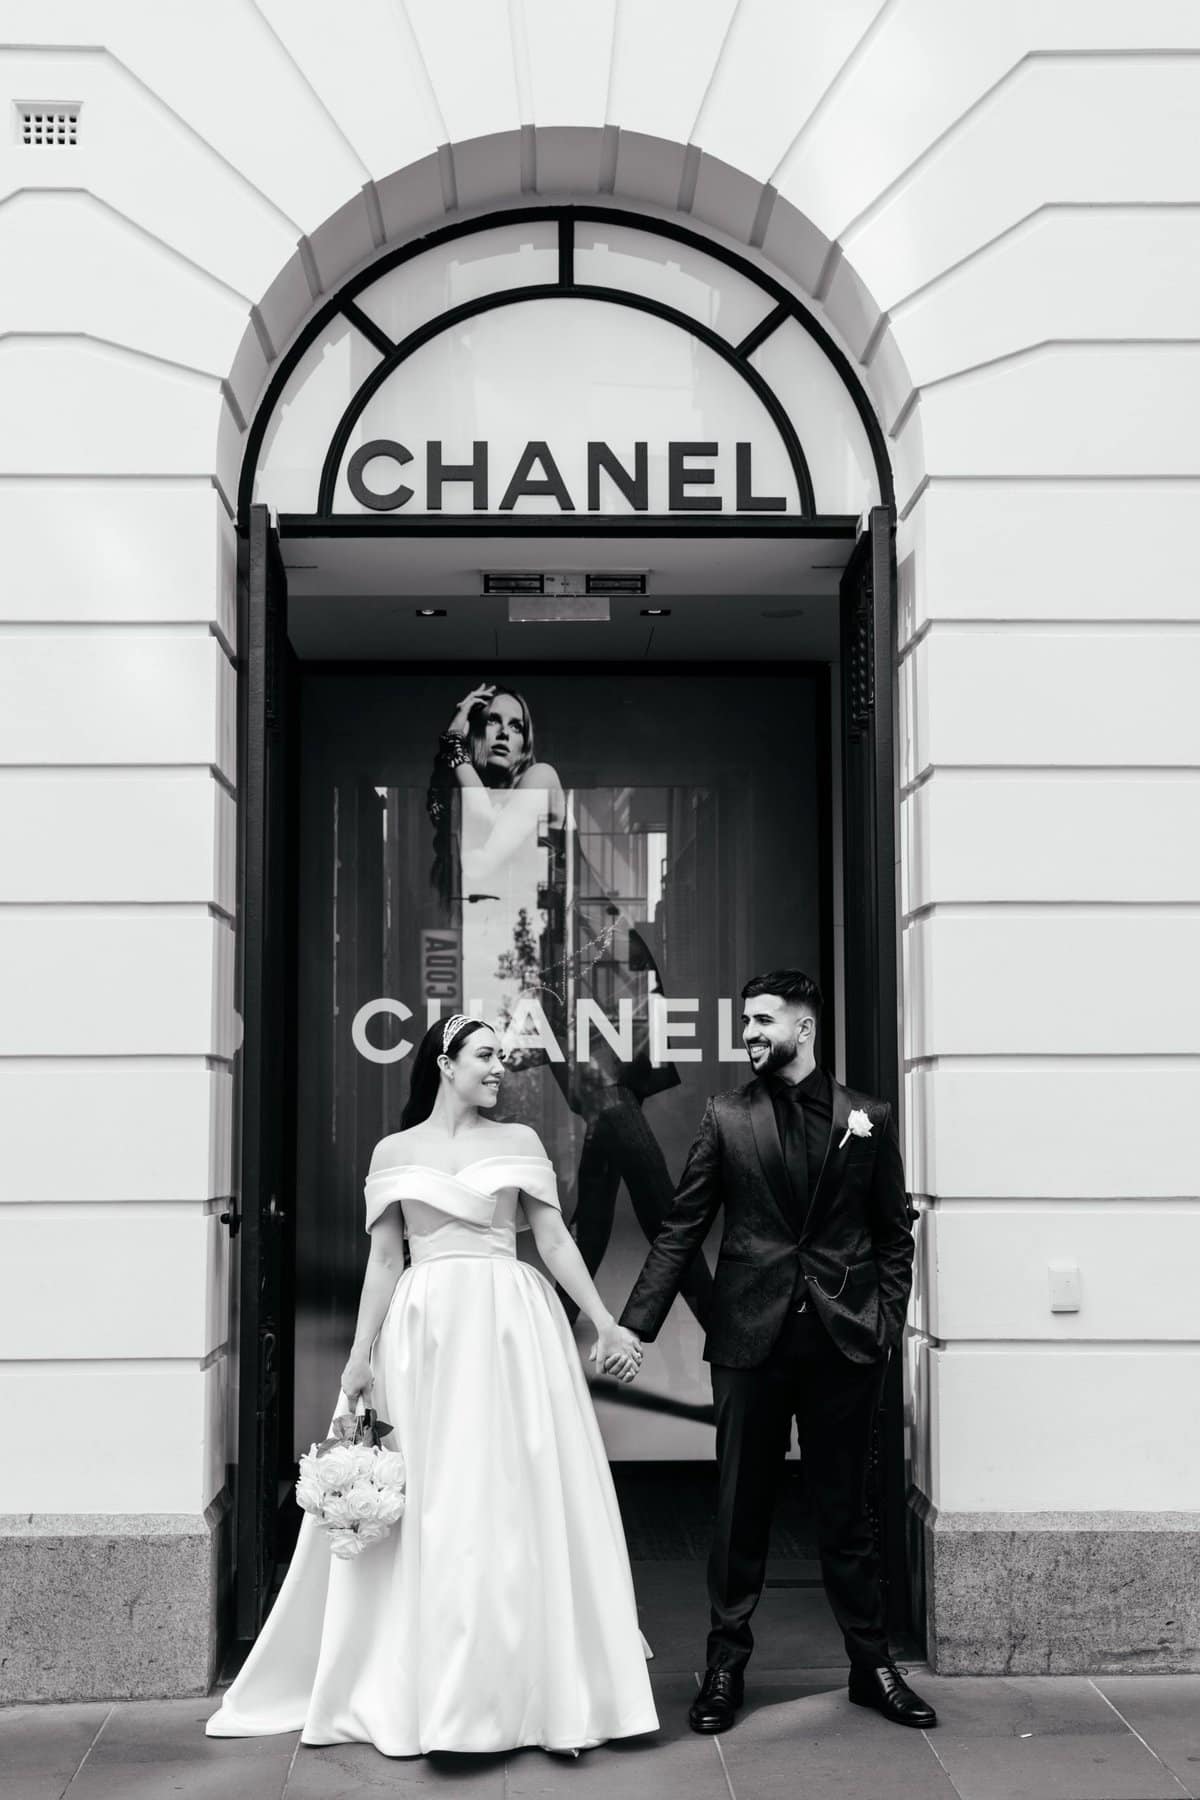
[(1129, 1726), (95, 1740), (1000, 1738)]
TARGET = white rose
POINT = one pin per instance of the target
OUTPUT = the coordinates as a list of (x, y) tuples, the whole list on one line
[(389, 1470), (310, 1490), (335, 1511), (338, 1467), (371, 1531), (362, 1502), (346, 1543), (391, 1505), (857, 1125)]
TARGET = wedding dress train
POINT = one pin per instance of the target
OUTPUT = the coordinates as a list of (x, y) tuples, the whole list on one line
[(500, 1611)]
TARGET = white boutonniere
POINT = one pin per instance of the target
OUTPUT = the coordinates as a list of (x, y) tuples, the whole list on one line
[(857, 1125)]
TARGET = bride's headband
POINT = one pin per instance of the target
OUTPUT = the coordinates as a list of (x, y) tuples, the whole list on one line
[(453, 1026)]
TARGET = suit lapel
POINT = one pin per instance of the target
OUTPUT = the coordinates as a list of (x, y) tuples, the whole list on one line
[(835, 1151), (770, 1150)]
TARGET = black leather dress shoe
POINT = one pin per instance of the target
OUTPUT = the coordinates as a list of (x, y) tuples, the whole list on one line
[(715, 1706), (890, 1694)]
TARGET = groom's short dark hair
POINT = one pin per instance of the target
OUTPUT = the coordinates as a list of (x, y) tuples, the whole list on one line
[(792, 985)]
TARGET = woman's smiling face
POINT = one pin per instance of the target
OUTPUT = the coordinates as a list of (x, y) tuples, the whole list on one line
[(504, 731), (478, 1068)]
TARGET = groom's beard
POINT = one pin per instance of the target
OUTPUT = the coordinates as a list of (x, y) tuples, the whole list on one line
[(778, 1057)]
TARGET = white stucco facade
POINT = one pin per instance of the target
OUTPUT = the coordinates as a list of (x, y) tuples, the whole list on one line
[(996, 212)]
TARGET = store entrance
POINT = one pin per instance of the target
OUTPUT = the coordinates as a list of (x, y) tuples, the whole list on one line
[(679, 840), (685, 834)]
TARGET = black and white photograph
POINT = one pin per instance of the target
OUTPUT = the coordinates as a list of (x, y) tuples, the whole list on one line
[(600, 908)]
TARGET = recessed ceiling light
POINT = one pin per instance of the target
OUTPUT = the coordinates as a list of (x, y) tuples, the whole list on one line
[(431, 612), (656, 612)]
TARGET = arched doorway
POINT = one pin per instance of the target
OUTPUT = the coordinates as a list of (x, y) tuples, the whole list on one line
[(519, 446)]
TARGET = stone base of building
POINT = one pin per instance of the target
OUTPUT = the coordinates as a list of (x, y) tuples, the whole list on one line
[(100, 1607), (1060, 1593)]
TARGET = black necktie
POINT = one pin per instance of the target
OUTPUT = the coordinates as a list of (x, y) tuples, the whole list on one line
[(795, 1155)]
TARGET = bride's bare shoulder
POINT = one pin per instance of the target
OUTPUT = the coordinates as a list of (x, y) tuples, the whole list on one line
[(512, 1139), (398, 1146)]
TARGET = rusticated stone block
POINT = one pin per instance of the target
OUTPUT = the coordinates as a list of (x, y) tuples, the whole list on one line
[(1062, 1593), (100, 1607)]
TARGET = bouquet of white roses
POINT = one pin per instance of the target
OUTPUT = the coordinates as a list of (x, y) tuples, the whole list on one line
[(352, 1486)]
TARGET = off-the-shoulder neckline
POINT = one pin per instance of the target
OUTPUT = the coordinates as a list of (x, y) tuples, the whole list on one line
[(505, 1156)]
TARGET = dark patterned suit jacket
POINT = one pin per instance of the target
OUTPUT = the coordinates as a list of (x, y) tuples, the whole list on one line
[(853, 1248)]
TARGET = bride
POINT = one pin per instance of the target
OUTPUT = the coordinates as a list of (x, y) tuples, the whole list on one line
[(500, 1611)]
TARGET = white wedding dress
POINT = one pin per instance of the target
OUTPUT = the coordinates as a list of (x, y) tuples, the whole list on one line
[(500, 1611)]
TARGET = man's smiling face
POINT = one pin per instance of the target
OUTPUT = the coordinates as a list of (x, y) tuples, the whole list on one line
[(774, 1030)]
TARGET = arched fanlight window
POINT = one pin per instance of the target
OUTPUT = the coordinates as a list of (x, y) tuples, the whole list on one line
[(571, 360)]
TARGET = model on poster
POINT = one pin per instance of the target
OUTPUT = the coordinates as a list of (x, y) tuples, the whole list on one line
[(509, 870)]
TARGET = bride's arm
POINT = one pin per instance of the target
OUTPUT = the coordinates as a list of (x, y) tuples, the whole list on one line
[(560, 1253), (385, 1265)]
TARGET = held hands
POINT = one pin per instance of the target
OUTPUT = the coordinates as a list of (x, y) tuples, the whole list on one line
[(357, 1379), (617, 1352), (461, 722)]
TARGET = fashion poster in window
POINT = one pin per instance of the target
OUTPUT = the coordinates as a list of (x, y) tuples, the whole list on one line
[(590, 861)]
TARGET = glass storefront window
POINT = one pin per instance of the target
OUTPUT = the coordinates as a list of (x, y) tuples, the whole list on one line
[(817, 400), (606, 918), (483, 262), (567, 372), (304, 420), (598, 381), (700, 286)]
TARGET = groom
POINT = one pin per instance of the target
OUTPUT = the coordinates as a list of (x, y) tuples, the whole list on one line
[(810, 1294)]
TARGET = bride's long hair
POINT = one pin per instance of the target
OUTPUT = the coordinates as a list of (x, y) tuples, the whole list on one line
[(426, 1076)]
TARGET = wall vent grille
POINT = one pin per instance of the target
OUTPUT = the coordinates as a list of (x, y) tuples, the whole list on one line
[(513, 583), (41, 125), (617, 582)]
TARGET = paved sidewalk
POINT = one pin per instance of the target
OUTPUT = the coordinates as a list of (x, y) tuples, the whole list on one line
[(1049, 1738)]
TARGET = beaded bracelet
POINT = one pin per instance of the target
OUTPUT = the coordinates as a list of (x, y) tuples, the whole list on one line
[(452, 749)]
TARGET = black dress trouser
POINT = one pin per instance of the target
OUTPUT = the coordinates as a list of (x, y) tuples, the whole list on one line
[(833, 1402)]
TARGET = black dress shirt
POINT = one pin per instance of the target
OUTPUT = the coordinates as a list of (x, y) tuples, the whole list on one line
[(804, 1115)]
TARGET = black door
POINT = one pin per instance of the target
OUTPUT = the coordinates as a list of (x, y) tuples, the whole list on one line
[(265, 1136), (869, 810), (869, 807)]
